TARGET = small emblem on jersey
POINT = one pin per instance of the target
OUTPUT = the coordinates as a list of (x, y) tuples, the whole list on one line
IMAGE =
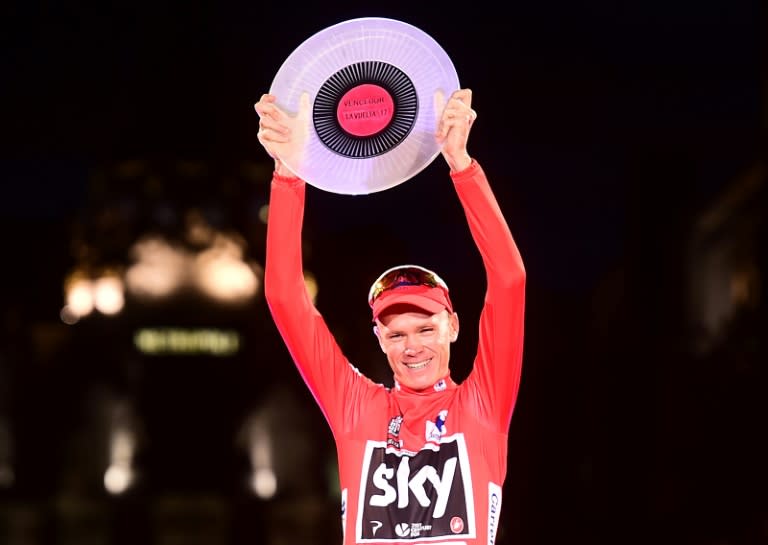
[(402, 529), (435, 430), (440, 385), (393, 432), (416, 496), (394, 425), (412, 530)]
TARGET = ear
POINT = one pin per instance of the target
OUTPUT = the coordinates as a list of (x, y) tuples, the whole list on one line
[(454, 327), (378, 336)]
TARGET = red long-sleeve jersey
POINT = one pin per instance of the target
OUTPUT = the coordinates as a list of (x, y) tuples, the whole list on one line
[(422, 467)]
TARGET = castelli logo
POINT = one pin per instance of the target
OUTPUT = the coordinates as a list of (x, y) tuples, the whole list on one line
[(457, 525)]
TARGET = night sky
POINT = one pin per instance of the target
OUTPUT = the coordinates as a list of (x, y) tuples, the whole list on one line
[(578, 103), (603, 127)]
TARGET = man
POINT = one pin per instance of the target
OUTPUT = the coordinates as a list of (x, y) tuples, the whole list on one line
[(425, 461)]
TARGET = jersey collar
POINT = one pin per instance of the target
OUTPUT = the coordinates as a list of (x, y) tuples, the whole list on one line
[(441, 385)]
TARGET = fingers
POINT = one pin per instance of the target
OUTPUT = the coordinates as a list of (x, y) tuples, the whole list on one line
[(457, 114), (463, 95), (461, 115), (267, 110), (283, 134), (265, 106), (459, 106), (272, 127)]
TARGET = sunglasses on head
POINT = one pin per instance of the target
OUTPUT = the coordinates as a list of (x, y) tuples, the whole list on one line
[(404, 275)]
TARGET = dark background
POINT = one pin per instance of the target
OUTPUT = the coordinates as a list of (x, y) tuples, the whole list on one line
[(607, 129)]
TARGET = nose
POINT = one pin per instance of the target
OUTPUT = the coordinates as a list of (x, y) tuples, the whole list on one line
[(412, 348)]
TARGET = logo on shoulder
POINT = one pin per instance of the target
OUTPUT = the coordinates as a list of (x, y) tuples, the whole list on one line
[(435, 430)]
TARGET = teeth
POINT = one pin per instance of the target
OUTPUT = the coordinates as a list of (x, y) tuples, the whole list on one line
[(417, 365)]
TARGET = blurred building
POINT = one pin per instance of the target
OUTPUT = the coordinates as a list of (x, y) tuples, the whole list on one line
[(153, 402), (727, 266)]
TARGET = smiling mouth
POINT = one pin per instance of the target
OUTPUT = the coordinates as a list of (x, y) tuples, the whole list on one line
[(417, 365)]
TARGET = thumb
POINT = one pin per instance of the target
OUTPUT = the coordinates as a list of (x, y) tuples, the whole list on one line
[(438, 103), (304, 106)]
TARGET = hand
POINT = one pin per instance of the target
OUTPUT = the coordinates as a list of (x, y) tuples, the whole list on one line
[(454, 126), (283, 136)]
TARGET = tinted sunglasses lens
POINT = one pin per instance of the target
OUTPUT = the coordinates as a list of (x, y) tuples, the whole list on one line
[(405, 276)]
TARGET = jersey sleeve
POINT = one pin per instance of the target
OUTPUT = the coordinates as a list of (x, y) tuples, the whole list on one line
[(497, 367), (315, 352)]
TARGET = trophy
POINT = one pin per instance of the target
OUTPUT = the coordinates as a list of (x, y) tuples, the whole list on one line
[(373, 91)]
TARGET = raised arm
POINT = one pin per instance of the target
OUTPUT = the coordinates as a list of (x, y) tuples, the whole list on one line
[(316, 354), (497, 368)]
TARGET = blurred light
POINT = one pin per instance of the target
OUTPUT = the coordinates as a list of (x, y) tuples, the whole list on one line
[(6, 454), (6, 475), (117, 478), (83, 293), (160, 269), (226, 279), (745, 286), (311, 283), (263, 478), (219, 271), (187, 341), (264, 483), (264, 213), (222, 274), (79, 296), (119, 475), (198, 230), (123, 446), (68, 316), (108, 294)]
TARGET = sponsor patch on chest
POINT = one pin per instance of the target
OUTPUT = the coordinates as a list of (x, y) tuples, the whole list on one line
[(415, 496)]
